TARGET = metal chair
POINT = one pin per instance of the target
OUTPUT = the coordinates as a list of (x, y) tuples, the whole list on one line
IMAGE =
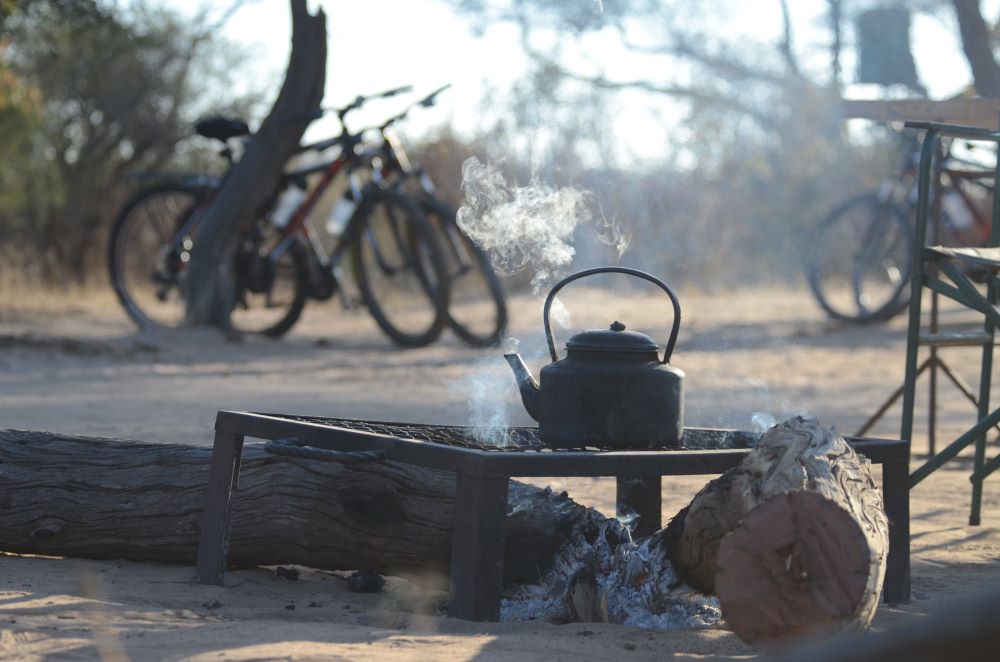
[(947, 272)]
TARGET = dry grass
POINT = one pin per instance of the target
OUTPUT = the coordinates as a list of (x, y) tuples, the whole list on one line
[(19, 295)]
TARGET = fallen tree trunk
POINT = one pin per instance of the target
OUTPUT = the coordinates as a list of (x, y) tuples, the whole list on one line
[(65, 495)]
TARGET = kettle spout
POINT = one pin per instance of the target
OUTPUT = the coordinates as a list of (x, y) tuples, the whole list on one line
[(525, 382)]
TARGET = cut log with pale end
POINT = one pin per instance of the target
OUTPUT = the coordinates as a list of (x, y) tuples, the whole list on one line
[(66, 495), (792, 542), (798, 565)]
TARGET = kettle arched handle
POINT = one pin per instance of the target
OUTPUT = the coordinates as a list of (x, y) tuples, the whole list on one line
[(617, 270)]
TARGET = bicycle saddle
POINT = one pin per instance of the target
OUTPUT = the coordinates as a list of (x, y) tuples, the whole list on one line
[(221, 128)]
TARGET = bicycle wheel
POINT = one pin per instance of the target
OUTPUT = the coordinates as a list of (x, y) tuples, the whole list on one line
[(477, 311), (400, 267), (271, 291), (860, 262), (150, 246)]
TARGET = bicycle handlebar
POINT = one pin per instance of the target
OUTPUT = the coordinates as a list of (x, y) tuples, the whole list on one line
[(426, 102), (351, 140), (359, 101)]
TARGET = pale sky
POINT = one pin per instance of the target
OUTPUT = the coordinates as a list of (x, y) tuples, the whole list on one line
[(378, 44)]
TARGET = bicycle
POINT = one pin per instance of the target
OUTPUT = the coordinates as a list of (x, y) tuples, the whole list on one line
[(396, 256), (477, 311), (859, 266)]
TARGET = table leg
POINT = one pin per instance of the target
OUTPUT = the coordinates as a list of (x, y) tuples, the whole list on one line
[(896, 493), (641, 495), (224, 474), (477, 547)]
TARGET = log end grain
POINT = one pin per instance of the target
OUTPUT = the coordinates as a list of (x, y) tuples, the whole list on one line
[(798, 565)]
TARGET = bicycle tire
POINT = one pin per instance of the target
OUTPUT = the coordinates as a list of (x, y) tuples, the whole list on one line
[(292, 266), (149, 279), (400, 268), (859, 265), (474, 282)]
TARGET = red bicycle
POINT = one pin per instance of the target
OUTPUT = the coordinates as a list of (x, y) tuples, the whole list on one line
[(396, 257), (861, 257)]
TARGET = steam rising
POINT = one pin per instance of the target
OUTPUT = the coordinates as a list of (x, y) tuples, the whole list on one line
[(521, 225), (614, 235), (484, 390), (762, 421)]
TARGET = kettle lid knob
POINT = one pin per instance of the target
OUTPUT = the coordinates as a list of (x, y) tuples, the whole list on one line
[(617, 326)]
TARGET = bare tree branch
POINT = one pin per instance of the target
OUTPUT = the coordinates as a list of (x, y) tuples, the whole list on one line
[(836, 16), (786, 45), (686, 47), (669, 89)]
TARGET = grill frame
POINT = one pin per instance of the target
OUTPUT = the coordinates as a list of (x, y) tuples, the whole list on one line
[(321, 432), (481, 486)]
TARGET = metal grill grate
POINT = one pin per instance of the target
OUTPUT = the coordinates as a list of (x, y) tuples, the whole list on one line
[(507, 438)]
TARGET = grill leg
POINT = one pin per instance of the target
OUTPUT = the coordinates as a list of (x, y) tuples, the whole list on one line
[(896, 492), (641, 494), (224, 474), (477, 547)]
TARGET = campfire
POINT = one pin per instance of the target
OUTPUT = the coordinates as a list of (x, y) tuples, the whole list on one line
[(779, 501)]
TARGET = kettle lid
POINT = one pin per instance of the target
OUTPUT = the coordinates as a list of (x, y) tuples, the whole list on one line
[(614, 339)]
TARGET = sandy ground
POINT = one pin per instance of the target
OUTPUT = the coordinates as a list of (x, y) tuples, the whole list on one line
[(75, 364)]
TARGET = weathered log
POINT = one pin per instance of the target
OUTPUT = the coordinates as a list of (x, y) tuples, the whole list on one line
[(65, 495), (793, 541)]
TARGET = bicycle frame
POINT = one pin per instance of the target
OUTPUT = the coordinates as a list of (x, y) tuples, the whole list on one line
[(389, 162), (901, 190), (298, 223)]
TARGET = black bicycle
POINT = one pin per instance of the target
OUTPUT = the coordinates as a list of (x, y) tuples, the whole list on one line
[(477, 312), (396, 256)]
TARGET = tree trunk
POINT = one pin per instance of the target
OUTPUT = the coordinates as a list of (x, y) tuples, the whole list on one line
[(97, 498), (793, 541), (977, 43), (251, 183)]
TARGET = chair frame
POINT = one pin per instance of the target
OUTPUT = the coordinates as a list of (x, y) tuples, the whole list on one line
[(962, 290)]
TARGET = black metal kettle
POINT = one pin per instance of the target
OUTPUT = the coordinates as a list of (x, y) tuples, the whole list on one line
[(611, 390)]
